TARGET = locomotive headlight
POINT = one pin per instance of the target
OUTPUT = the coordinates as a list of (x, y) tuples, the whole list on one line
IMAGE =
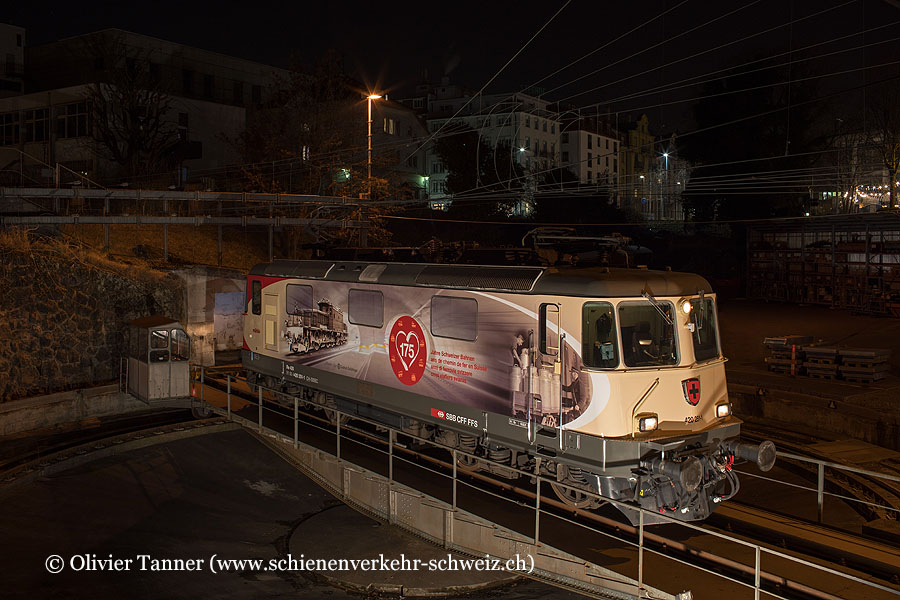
[(686, 306), (723, 410), (649, 423)]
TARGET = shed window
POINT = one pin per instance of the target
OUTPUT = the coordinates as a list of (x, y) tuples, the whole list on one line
[(453, 317), (366, 307)]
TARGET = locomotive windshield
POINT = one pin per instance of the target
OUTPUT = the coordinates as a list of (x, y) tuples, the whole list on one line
[(648, 339), (706, 343), (599, 336)]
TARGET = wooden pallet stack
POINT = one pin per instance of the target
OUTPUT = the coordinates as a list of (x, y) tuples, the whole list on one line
[(786, 353), (797, 355), (821, 362), (864, 365)]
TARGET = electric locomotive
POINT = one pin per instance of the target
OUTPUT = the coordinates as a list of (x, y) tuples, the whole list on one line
[(611, 381)]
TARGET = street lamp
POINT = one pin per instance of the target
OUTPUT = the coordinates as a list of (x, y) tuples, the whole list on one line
[(363, 238), (370, 97)]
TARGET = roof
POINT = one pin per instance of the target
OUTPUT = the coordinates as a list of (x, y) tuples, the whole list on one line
[(596, 282)]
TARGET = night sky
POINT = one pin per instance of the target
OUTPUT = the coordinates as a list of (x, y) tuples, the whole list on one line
[(390, 44)]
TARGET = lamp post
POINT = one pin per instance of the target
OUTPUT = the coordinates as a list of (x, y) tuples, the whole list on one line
[(363, 237)]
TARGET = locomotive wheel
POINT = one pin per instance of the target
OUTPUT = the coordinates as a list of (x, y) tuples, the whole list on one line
[(572, 497)]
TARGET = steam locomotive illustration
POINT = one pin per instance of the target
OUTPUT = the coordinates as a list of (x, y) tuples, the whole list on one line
[(609, 381), (309, 329)]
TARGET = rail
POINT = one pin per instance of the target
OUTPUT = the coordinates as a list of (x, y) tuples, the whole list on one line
[(751, 576)]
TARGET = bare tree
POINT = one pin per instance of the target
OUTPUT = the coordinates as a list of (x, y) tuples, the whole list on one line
[(884, 133), (850, 149), (130, 110)]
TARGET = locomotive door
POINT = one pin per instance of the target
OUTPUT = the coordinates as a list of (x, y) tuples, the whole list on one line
[(545, 370), (270, 325)]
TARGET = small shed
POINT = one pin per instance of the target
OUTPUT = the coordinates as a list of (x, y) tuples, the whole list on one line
[(159, 353)]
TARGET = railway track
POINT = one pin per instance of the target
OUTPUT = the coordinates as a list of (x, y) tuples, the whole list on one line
[(881, 566), (80, 442)]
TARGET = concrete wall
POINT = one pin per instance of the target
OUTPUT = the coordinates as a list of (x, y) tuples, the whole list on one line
[(871, 417), (202, 286)]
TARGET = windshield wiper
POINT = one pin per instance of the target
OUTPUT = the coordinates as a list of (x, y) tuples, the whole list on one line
[(656, 305)]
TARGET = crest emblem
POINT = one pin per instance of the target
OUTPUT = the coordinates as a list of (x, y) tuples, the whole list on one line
[(691, 389)]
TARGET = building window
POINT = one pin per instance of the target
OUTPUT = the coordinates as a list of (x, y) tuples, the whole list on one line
[(437, 167), (37, 125), (553, 149), (607, 162), (565, 138), (418, 103), (413, 161), (527, 143), (527, 120), (590, 161), (590, 140), (73, 120), (552, 127), (187, 81), (19, 40), (616, 164), (207, 86), (453, 317), (616, 146), (544, 148), (366, 307), (607, 143), (238, 92), (256, 94), (589, 176), (565, 157), (9, 129), (389, 126), (545, 125)]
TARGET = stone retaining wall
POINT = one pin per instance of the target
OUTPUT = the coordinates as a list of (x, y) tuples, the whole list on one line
[(63, 319)]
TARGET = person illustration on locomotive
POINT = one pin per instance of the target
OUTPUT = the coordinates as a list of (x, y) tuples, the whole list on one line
[(614, 377)]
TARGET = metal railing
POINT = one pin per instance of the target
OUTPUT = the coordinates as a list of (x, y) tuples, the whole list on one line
[(750, 576)]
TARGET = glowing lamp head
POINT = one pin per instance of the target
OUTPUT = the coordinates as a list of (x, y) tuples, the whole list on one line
[(373, 97)]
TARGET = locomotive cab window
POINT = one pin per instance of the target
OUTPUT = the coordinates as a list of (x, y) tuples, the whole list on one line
[(256, 297), (648, 339), (598, 346), (366, 307), (704, 337), (453, 317)]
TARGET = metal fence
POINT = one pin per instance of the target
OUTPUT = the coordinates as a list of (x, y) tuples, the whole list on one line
[(752, 576)]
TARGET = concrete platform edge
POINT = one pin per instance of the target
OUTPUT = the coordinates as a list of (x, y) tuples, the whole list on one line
[(436, 522)]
